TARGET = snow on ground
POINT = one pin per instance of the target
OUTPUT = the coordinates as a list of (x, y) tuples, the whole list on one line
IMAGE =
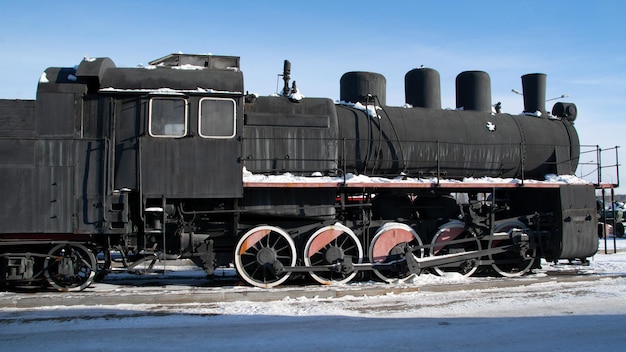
[(549, 315)]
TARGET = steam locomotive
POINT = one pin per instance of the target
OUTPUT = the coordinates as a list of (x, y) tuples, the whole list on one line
[(175, 161)]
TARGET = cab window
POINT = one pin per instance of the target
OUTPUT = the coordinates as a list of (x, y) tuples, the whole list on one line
[(168, 117), (217, 118)]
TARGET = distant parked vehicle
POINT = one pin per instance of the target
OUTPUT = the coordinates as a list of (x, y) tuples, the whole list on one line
[(612, 217)]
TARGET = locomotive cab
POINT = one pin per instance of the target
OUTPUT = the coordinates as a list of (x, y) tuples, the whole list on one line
[(174, 150)]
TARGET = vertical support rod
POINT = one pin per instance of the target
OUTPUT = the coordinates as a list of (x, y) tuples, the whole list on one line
[(617, 165), (522, 160), (614, 211), (599, 163), (164, 231), (604, 232), (343, 161), (438, 164)]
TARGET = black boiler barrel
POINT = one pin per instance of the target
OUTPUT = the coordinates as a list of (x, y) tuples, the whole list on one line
[(454, 144)]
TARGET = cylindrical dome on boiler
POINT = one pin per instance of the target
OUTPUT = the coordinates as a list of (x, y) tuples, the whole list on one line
[(473, 91), (357, 86), (422, 88)]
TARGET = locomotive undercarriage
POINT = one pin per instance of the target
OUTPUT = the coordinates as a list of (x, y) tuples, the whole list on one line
[(270, 266), (335, 252), (432, 234)]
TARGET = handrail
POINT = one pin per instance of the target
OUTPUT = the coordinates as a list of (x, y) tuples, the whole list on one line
[(597, 159)]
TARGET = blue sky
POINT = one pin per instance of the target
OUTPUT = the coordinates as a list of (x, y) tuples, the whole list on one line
[(580, 45)]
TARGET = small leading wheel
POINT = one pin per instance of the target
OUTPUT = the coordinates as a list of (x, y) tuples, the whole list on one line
[(261, 255), (389, 246), (70, 267), (452, 238), (333, 245), (511, 263)]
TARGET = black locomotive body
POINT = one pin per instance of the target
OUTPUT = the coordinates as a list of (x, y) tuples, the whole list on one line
[(174, 161)]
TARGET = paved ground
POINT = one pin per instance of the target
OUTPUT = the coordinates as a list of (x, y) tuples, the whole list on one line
[(163, 289)]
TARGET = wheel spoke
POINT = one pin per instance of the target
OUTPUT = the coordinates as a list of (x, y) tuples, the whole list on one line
[(319, 261), (250, 264), (285, 247), (350, 249), (342, 245), (276, 241)]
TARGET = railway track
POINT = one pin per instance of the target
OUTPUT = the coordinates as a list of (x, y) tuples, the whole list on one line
[(181, 289)]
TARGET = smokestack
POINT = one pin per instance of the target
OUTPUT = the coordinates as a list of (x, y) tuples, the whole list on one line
[(534, 90)]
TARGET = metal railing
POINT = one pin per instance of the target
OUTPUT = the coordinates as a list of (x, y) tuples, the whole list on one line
[(601, 166)]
